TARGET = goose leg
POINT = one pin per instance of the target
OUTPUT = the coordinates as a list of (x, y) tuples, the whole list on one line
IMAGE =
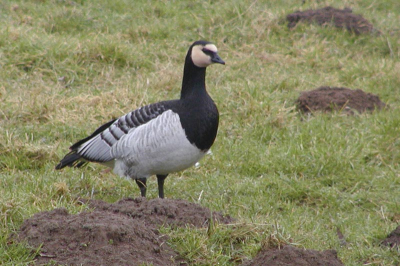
[(160, 181), (141, 182)]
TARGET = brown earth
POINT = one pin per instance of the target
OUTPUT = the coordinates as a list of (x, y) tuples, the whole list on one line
[(340, 18), (122, 233), (331, 98), (393, 239), (169, 212), (95, 238), (292, 256), (127, 233)]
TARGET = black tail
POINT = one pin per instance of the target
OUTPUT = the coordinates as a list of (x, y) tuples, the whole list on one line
[(72, 159)]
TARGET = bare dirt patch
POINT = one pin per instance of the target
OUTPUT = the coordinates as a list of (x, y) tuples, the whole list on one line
[(162, 211), (122, 233), (95, 238), (340, 18), (393, 239), (127, 233), (336, 99), (292, 256)]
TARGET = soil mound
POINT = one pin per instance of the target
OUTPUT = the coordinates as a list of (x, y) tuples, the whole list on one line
[(122, 233), (171, 212), (290, 255), (95, 238), (393, 239), (127, 233), (340, 18), (331, 98)]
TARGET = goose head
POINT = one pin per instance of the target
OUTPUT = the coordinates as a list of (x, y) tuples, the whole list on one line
[(203, 54)]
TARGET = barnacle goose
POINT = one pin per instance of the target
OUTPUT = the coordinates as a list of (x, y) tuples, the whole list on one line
[(159, 138)]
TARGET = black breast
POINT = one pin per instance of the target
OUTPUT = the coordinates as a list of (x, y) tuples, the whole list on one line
[(199, 118)]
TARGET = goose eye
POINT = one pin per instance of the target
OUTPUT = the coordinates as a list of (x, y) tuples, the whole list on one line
[(207, 52)]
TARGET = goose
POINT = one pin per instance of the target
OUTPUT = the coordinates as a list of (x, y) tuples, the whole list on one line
[(159, 138)]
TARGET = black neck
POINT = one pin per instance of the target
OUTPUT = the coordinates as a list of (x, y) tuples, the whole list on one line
[(193, 83)]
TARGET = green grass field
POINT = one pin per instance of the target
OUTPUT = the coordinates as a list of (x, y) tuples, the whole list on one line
[(68, 66)]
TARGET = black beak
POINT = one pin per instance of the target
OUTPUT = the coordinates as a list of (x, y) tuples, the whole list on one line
[(216, 59)]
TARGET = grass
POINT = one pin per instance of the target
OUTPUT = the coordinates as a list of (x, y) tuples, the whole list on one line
[(68, 66)]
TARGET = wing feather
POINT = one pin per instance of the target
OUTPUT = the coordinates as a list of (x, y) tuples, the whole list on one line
[(97, 147), (149, 139)]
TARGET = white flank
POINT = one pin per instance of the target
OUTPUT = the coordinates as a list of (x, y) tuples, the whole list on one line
[(157, 147)]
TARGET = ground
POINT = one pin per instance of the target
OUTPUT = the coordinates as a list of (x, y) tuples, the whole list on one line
[(123, 233), (340, 18), (289, 255), (393, 239), (127, 233), (344, 99)]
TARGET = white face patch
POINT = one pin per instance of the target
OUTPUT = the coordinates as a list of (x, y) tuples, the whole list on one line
[(199, 58), (211, 47)]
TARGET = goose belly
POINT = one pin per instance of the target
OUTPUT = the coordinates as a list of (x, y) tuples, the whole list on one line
[(168, 159)]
